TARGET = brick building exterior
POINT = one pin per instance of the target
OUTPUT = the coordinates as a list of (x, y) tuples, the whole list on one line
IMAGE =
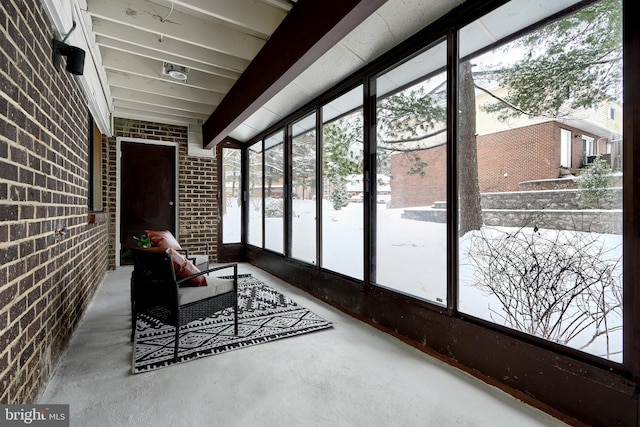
[(197, 182), (47, 279), (505, 159), (408, 190)]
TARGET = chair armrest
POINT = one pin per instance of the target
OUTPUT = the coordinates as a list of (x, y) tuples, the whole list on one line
[(193, 258), (186, 251), (209, 270), (183, 251)]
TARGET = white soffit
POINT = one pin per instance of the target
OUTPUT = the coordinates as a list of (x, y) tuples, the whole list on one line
[(62, 16), (505, 20), (393, 23)]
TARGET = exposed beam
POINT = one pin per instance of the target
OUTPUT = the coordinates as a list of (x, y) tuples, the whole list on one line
[(147, 98), (310, 29), (282, 4), (132, 64), (109, 32), (156, 109), (158, 87), (106, 42), (128, 113), (179, 26), (252, 16)]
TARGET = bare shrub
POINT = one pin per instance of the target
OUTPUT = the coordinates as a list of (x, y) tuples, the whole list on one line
[(552, 284)]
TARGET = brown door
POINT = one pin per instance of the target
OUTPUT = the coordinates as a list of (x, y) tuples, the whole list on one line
[(147, 191)]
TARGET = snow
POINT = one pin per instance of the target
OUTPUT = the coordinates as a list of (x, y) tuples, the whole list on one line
[(411, 258)]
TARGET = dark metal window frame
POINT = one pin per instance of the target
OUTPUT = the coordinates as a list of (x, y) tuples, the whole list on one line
[(447, 27)]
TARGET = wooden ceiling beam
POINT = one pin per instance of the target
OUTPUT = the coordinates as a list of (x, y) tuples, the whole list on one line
[(108, 32), (310, 29), (150, 17), (251, 16)]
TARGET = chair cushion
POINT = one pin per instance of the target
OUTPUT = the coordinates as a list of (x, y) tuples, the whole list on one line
[(163, 239), (185, 268), (215, 286)]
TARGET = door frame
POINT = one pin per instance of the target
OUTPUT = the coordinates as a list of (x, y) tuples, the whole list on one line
[(119, 141)]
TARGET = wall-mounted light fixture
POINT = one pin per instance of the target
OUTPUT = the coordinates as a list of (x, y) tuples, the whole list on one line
[(75, 55), (175, 71)]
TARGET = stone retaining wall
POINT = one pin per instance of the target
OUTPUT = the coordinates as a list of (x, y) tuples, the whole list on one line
[(544, 199), (597, 221), (554, 209)]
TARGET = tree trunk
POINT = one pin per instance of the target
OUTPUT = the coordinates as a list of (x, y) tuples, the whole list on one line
[(468, 189)]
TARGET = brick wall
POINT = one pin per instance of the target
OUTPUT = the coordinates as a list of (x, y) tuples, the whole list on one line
[(522, 154), (46, 281), (197, 185), (408, 190), (505, 159)]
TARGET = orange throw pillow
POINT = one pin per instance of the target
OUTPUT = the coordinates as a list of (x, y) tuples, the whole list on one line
[(163, 239), (185, 268)]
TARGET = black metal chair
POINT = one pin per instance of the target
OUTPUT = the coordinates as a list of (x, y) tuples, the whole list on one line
[(199, 260), (155, 292)]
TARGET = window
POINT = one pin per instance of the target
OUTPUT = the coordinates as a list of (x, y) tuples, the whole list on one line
[(565, 148), (587, 150), (545, 262), (411, 181), (303, 190), (255, 195), (231, 195), (95, 167), (342, 212), (274, 192), (537, 224)]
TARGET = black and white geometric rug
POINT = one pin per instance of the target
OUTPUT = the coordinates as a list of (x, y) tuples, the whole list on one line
[(264, 314)]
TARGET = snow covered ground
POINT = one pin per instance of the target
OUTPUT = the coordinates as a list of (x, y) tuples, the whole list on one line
[(411, 259)]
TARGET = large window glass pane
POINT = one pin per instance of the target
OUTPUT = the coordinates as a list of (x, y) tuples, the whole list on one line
[(411, 177), (231, 200), (274, 192), (256, 201), (303, 176), (342, 207), (540, 174)]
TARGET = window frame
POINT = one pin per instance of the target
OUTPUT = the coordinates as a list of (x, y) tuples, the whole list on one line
[(95, 189), (448, 27)]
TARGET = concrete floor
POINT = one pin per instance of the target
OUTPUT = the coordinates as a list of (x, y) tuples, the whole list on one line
[(349, 375)]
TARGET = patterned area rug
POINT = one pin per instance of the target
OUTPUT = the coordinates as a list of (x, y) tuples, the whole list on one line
[(264, 314)]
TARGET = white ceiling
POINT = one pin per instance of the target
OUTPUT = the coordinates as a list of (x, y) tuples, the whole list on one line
[(216, 40), (392, 23)]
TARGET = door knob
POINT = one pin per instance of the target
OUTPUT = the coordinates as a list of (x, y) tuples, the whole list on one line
[(170, 203)]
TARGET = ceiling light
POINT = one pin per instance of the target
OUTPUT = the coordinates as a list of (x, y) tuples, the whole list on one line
[(175, 71)]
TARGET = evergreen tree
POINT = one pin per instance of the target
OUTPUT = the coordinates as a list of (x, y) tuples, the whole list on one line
[(340, 159), (339, 196), (595, 183)]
